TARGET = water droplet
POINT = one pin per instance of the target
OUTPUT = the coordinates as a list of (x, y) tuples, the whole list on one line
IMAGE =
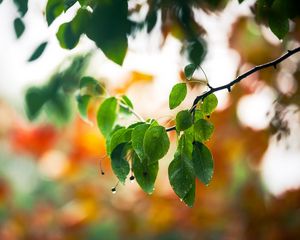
[(113, 190), (153, 189), (131, 178), (181, 199)]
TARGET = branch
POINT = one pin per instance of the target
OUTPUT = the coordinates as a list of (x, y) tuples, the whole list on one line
[(239, 78)]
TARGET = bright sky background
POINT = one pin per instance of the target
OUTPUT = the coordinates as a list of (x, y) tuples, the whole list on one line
[(281, 166)]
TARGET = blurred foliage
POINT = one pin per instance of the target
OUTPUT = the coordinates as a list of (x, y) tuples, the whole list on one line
[(61, 195)]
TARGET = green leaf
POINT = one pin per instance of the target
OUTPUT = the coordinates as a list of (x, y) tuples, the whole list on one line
[(35, 99), (66, 37), (156, 143), (203, 130), (107, 115), (189, 198), (240, 1), (196, 49), (127, 105), (91, 85), (38, 52), (119, 163), (189, 71), (138, 134), (183, 120), (22, 6), (68, 4), (122, 135), (181, 175), (145, 174), (82, 103), (177, 95), (209, 104), (203, 163), (53, 9), (108, 29), (279, 25), (19, 27)]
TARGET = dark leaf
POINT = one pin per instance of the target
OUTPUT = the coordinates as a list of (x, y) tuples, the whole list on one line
[(144, 173), (108, 29), (119, 163), (189, 70), (19, 27), (38, 52), (203, 163), (68, 4), (22, 6)]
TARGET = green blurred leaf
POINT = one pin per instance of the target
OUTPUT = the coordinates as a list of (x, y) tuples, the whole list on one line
[(279, 25), (35, 99), (144, 173), (138, 134), (68, 4), (38, 51), (83, 103), (183, 120), (87, 81), (66, 37), (203, 163), (209, 104), (107, 115), (189, 71), (22, 6), (19, 27), (196, 51), (108, 29), (203, 130), (177, 95), (53, 9), (156, 143), (119, 163)]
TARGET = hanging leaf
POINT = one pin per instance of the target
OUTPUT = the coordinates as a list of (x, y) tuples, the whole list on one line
[(183, 120), (83, 103), (119, 163), (177, 95), (181, 174), (107, 115), (203, 163), (209, 104), (35, 98), (189, 198), (53, 9), (203, 130), (156, 143), (19, 27), (91, 86), (38, 52), (144, 173), (138, 134), (108, 29), (189, 71)]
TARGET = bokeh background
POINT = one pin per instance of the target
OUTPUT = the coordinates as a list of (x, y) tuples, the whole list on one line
[(51, 186)]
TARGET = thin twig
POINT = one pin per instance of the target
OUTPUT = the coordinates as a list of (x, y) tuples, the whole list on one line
[(239, 78)]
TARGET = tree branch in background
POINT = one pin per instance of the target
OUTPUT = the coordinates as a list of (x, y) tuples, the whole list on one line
[(228, 86)]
